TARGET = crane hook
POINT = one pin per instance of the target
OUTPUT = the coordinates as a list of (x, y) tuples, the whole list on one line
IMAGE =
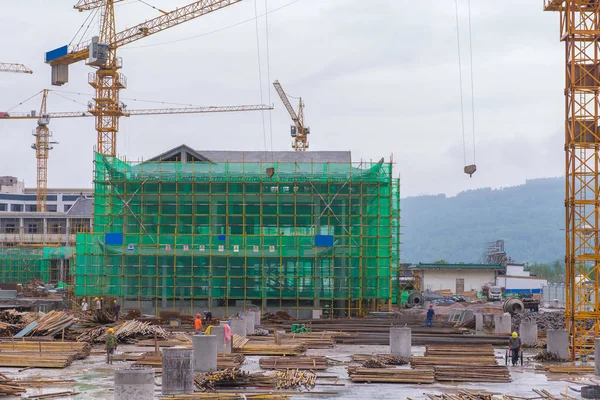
[(470, 170)]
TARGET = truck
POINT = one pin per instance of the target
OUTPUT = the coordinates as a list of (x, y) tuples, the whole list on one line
[(495, 293)]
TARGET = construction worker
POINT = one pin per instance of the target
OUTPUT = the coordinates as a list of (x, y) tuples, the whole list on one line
[(198, 324), (111, 345), (430, 315), (98, 304), (514, 348), (84, 305), (116, 309)]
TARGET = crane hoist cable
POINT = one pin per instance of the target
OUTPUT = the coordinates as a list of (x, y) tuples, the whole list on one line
[(469, 169), (260, 84)]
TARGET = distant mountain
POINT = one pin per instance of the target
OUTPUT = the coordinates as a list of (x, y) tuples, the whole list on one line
[(530, 218)]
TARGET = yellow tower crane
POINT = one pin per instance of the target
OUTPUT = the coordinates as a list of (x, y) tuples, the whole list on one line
[(101, 53), (580, 31), (43, 145), (17, 68), (299, 131)]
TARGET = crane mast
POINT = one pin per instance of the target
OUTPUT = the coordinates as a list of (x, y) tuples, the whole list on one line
[(42, 147), (299, 131), (101, 53), (580, 31)]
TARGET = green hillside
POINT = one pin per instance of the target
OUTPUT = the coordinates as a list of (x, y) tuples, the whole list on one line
[(529, 217)]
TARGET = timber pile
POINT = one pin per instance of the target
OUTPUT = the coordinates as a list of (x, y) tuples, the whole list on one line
[(224, 361), (228, 396), (238, 341), (294, 379), (457, 363), (9, 387), (313, 340), (383, 358), (313, 363), (36, 360), (471, 395), (79, 351), (229, 378), (570, 370), (271, 350), (373, 362), (52, 323), (126, 332), (35, 288), (391, 375), (11, 317)]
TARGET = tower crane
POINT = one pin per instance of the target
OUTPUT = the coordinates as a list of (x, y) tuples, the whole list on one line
[(299, 131), (101, 53), (17, 68), (580, 31), (43, 144)]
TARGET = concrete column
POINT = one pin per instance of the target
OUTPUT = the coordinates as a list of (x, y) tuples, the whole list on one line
[(134, 383), (219, 332), (227, 344), (479, 322), (400, 342), (558, 343), (502, 323), (528, 332), (597, 356), (238, 327), (177, 371), (249, 318), (205, 352), (256, 317), (316, 314)]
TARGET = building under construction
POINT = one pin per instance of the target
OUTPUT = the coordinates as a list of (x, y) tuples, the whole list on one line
[(225, 230)]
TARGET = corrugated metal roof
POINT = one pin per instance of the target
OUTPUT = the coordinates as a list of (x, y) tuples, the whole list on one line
[(81, 208), (456, 266), (277, 156)]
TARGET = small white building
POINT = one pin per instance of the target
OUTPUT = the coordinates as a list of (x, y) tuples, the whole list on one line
[(517, 280), (458, 278)]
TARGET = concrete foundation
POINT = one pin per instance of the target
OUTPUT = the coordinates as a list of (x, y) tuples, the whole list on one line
[(597, 356), (528, 333), (219, 332), (177, 371), (558, 343), (134, 383), (205, 352), (249, 318), (400, 342), (479, 322), (502, 323), (227, 344), (316, 314), (238, 327)]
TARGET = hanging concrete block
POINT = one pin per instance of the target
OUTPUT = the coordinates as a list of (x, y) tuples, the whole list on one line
[(205, 352), (400, 342), (558, 343)]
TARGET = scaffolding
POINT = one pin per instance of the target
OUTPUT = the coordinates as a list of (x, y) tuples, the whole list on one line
[(23, 263), (281, 236)]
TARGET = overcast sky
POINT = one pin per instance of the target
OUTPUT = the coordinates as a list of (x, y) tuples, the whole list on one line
[(378, 77)]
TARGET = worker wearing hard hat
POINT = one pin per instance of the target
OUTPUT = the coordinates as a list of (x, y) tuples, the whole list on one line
[(85, 306), (514, 347), (98, 304), (198, 324), (111, 345), (116, 309)]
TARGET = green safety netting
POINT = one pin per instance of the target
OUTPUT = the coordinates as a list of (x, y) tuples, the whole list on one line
[(235, 231), (21, 264)]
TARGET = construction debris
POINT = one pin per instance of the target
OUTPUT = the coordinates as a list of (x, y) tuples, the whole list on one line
[(544, 356), (300, 362), (52, 324), (125, 332), (391, 375), (279, 316), (373, 362), (544, 320), (9, 387), (386, 359)]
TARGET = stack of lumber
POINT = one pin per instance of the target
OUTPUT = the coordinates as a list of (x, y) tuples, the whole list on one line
[(36, 360), (229, 378), (224, 361), (79, 351), (238, 341), (11, 316), (570, 370), (313, 340), (228, 396), (250, 349), (126, 331), (52, 323), (472, 395), (294, 379), (9, 387), (391, 375), (458, 363), (383, 358), (301, 362)]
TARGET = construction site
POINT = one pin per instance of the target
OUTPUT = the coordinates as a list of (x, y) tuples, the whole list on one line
[(192, 273)]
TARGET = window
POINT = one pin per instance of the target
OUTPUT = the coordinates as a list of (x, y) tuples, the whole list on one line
[(30, 207), (10, 228), (51, 208), (55, 228), (32, 228), (3, 207), (67, 207), (16, 207)]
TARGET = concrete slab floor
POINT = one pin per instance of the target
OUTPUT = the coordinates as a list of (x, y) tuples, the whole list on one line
[(94, 378)]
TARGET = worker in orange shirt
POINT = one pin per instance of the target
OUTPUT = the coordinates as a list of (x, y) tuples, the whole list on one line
[(198, 324)]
